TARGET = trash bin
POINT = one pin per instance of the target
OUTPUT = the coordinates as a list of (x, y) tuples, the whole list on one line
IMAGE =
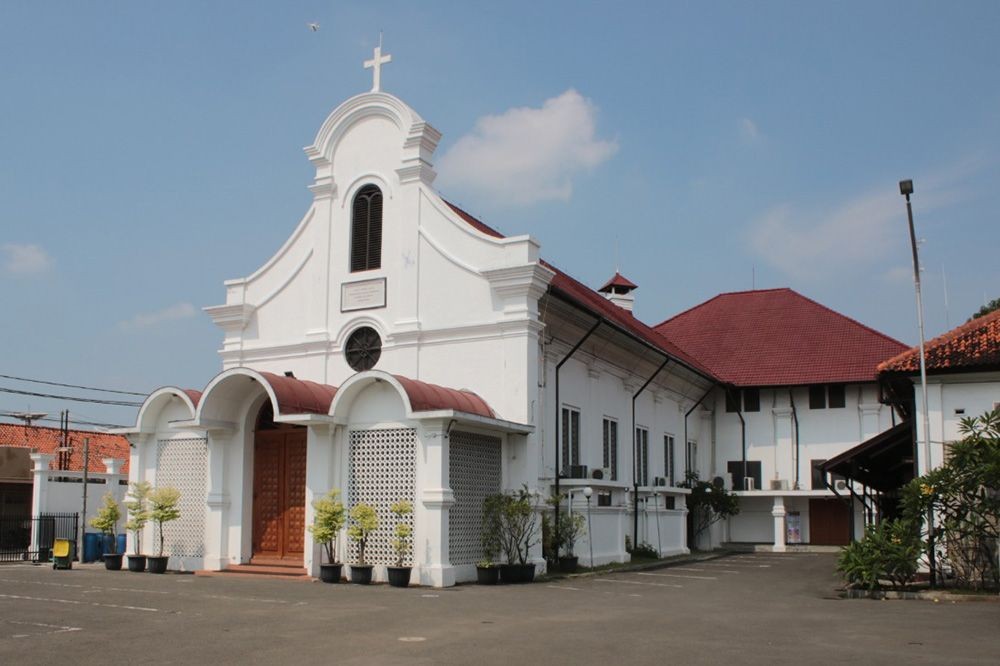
[(91, 547), (121, 544), (62, 551)]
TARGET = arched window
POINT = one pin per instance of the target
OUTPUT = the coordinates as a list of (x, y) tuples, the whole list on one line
[(366, 230)]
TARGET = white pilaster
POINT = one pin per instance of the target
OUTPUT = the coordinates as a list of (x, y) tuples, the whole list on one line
[(217, 502), (40, 489), (778, 512), (430, 544), (319, 481)]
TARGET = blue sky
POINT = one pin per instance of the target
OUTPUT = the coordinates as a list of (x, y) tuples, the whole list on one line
[(717, 145)]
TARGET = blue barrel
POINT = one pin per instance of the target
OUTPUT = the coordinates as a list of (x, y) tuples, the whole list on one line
[(91, 547), (121, 544)]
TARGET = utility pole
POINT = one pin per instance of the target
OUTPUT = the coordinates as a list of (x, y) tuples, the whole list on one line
[(86, 466)]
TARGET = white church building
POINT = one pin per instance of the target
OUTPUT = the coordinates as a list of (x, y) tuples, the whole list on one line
[(397, 348)]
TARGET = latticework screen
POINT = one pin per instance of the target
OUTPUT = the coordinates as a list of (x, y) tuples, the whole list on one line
[(383, 469), (474, 468), (182, 463)]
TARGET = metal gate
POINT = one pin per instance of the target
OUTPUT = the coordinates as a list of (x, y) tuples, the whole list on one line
[(30, 538)]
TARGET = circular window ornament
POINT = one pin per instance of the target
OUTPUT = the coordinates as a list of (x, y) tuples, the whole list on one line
[(363, 349)]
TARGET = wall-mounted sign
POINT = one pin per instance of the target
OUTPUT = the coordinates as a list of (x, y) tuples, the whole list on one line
[(362, 295)]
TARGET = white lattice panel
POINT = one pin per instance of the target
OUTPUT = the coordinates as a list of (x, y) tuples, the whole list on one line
[(474, 468), (383, 469), (182, 463)]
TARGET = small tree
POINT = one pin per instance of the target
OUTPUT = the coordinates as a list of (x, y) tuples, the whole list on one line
[(572, 527), (889, 551), (138, 511), (404, 531), (514, 515), (107, 519), (328, 520), (163, 508), (707, 504), (365, 522), (490, 538)]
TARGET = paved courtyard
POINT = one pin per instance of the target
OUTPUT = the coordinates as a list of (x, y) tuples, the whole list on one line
[(753, 608)]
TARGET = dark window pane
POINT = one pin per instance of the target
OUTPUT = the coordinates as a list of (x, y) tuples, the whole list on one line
[(817, 397), (751, 400), (732, 401), (366, 229), (817, 476), (837, 396)]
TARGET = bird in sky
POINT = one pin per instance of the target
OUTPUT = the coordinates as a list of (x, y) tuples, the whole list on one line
[(314, 26)]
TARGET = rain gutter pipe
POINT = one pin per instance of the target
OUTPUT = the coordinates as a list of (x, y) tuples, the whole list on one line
[(795, 420), (687, 461), (635, 458)]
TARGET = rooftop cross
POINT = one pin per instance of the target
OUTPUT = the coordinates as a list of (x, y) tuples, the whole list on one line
[(376, 64)]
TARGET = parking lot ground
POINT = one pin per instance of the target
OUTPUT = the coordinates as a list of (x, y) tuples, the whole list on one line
[(744, 608)]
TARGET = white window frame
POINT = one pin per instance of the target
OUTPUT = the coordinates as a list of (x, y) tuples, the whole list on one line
[(569, 444), (668, 458), (692, 456), (610, 448), (642, 455)]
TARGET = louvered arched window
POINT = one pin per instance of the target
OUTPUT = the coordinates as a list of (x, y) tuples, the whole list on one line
[(366, 230)]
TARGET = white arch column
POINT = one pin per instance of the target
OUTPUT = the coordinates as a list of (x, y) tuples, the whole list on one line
[(434, 500)]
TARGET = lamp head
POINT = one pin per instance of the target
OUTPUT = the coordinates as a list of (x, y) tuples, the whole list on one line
[(588, 492), (906, 187)]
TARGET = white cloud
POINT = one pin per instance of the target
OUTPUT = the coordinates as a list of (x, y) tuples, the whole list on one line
[(24, 259), (749, 131), (526, 155), (150, 319)]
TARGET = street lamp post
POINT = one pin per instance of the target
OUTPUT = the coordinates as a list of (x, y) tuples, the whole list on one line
[(906, 189), (588, 493)]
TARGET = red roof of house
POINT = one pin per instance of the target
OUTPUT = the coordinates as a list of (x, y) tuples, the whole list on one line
[(47, 440), (778, 337), (598, 305), (300, 396), (426, 397), (974, 345), (618, 280)]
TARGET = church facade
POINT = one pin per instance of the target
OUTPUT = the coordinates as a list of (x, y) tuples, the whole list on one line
[(396, 348)]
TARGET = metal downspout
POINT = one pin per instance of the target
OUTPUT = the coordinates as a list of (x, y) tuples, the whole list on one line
[(743, 442), (795, 420), (687, 462), (635, 458), (555, 463)]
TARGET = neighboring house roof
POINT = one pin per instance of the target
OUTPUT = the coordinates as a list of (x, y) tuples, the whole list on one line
[(588, 299), (48, 440), (974, 345), (778, 337)]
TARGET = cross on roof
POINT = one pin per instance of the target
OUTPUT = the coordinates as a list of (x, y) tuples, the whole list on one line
[(376, 65)]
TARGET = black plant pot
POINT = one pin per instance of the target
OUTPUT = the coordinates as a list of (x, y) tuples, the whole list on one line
[(488, 575), (517, 573), (113, 561), (361, 574), (567, 563), (157, 564), (137, 563), (330, 573), (399, 576)]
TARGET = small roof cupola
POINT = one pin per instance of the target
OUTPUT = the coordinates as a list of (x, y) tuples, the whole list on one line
[(619, 290)]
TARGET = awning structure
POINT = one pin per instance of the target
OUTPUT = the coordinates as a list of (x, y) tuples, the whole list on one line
[(883, 463)]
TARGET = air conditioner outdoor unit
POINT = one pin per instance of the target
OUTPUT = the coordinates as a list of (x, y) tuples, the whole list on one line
[(749, 483), (597, 473), (779, 484), (659, 481)]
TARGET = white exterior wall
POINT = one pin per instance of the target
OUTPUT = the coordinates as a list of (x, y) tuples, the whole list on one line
[(973, 392)]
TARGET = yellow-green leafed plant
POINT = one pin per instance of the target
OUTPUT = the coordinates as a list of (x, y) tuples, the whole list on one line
[(404, 531), (328, 520), (107, 519), (163, 508), (364, 521), (137, 506)]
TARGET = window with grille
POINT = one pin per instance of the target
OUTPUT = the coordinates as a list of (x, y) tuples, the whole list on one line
[(570, 438), (611, 447), (668, 458), (366, 230), (642, 456)]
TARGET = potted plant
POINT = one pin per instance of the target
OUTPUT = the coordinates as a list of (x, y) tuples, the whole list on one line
[(162, 509), (399, 575), (138, 516), (106, 520), (487, 571), (518, 534), (328, 520), (572, 527), (364, 521)]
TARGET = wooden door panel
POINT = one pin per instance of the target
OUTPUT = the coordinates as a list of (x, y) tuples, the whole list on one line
[(829, 522), (279, 494), (268, 500), (295, 494)]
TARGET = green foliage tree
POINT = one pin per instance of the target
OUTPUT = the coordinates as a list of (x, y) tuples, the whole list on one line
[(403, 532), (571, 528), (889, 551), (364, 521), (490, 539), (163, 508), (986, 309), (107, 518), (328, 519), (708, 504), (963, 495), (514, 517), (138, 511)]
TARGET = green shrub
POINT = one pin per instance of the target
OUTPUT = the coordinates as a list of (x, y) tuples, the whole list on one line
[(889, 552)]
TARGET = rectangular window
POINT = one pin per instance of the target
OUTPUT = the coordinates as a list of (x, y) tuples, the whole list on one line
[(692, 458), (817, 475), (611, 447), (836, 396), (741, 474), (642, 456), (570, 438), (817, 397), (733, 400), (668, 459), (751, 400)]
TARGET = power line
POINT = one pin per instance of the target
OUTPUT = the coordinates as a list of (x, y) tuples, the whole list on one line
[(116, 403), (86, 388)]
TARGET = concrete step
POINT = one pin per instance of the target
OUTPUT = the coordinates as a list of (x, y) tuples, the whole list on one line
[(271, 569)]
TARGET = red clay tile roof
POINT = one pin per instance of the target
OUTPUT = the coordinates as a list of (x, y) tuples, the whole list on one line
[(777, 337), (426, 397), (300, 396), (47, 440), (618, 280), (974, 345), (588, 299)]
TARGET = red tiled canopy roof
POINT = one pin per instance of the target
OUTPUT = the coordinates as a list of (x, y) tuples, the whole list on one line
[(300, 396), (974, 345), (618, 280), (47, 440), (426, 397), (778, 337)]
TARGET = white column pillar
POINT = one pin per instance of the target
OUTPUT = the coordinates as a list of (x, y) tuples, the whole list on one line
[(430, 512), (778, 512), (319, 481), (680, 504), (39, 489), (217, 503)]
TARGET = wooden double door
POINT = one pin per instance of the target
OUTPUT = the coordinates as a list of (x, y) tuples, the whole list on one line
[(279, 494), (829, 522)]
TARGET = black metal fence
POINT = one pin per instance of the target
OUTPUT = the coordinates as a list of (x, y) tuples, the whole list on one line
[(16, 535)]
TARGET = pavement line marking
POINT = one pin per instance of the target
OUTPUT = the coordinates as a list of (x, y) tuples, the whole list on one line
[(126, 589), (58, 629), (666, 575), (78, 603), (38, 582), (412, 639), (633, 582), (729, 571), (563, 587), (749, 565)]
